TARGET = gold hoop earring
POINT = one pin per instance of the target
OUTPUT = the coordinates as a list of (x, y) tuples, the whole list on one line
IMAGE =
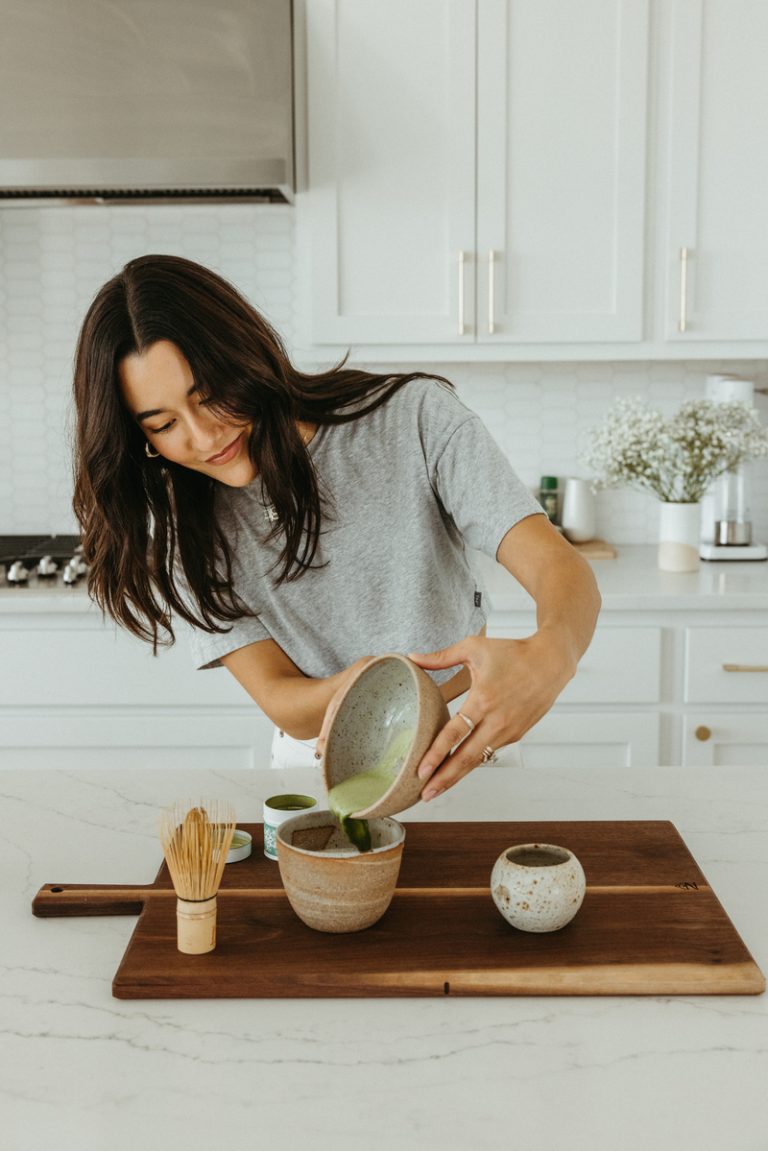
[(149, 451)]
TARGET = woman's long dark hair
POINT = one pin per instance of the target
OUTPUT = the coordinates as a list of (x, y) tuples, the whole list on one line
[(143, 520)]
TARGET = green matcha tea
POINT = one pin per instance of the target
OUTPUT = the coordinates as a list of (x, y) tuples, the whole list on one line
[(362, 790)]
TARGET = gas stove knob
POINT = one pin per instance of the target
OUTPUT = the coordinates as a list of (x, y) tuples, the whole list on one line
[(47, 567), (17, 573), (70, 575), (78, 563)]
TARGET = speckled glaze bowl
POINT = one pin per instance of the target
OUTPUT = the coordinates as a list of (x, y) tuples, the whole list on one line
[(538, 886), (389, 696), (330, 884)]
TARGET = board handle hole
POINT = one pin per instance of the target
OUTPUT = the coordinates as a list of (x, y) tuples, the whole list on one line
[(57, 889)]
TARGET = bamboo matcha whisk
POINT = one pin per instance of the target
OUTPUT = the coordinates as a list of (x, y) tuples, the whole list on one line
[(195, 842)]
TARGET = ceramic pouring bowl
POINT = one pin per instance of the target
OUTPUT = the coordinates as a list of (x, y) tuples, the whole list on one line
[(330, 884), (387, 700)]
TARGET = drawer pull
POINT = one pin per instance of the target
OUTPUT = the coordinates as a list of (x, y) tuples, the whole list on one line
[(462, 262), (702, 733), (745, 667)]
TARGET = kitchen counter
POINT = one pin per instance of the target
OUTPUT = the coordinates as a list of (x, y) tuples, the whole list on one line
[(632, 581), (84, 1071)]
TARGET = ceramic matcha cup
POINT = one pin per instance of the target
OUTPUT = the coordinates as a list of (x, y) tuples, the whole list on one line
[(388, 716), (331, 885)]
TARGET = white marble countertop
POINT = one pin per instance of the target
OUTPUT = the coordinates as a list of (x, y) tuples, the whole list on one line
[(633, 582), (82, 1070), (630, 582)]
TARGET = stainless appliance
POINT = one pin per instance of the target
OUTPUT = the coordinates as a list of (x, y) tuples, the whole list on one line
[(146, 100), (40, 561), (726, 517)]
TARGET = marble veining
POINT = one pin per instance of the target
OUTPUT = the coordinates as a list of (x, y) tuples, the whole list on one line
[(83, 1071)]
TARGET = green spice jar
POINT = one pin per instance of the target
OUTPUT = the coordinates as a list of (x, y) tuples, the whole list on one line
[(548, 496)]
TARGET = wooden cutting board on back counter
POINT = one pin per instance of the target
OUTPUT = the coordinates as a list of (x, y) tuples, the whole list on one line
[(596, 550), (649, 925)]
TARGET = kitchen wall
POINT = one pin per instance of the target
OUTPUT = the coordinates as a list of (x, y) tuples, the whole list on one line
[(52, 261)]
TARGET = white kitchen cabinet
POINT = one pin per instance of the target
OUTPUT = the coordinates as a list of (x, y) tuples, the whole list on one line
[(391, 124), (650, 690), (677, 671), (725, 739), (476, 170), (72, 686), (714, 264), (591, 738), (562, 97), (727, 665), (590, 723), (478, 174)]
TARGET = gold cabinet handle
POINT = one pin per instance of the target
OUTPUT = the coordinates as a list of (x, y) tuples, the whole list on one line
[(682, 323), (745, 667), (703, 733)]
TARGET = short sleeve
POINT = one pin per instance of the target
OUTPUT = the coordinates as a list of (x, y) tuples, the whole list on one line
[(208, 647), (479, 488)]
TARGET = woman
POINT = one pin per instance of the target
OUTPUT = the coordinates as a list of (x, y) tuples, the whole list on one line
[(303, 523)]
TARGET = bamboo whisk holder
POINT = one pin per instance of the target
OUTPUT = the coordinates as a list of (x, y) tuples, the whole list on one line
[(196, 925)]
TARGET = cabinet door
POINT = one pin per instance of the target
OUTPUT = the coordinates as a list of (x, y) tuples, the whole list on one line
[(725, 739), (391, 125), (716, 257), (727, 665), (562, 96), (592, 739)]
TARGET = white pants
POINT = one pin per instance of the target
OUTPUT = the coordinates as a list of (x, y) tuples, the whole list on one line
[(290, 752)]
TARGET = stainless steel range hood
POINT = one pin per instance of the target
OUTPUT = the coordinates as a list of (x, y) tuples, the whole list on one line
[(137, 100)]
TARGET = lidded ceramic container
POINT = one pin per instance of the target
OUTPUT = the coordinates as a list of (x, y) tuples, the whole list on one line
[(538, 886), (390, 713)]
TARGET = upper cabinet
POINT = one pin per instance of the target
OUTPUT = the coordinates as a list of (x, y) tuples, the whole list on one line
[(714, 265), (561, 142), (537, 179), (391, 113)]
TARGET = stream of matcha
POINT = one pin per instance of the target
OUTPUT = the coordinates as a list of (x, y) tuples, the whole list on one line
[(363, 789)]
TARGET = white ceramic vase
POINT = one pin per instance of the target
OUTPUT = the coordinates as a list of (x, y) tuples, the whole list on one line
[(578, 518), (679, 532)]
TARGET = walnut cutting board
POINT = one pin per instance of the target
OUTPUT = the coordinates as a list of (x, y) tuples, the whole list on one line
[(649, 925)]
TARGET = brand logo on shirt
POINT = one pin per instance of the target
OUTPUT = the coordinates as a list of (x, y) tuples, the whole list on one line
[(478, 598), (270, 513)]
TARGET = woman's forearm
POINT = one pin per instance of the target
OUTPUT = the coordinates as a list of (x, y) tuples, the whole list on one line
[(294, 702), (561, 583)]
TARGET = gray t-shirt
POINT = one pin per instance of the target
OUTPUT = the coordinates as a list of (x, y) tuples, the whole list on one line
[(410, 487)]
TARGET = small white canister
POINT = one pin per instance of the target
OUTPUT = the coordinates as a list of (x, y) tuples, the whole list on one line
[(276, 810), (538, 886)]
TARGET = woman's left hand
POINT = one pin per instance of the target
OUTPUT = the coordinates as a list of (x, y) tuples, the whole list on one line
[(513, 684)]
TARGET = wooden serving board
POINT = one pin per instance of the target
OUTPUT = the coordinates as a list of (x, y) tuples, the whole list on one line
[(596, 550), (649, 925)]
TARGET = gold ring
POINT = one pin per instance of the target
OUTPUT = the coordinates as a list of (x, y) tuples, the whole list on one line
[(467, 720), (488, 754)]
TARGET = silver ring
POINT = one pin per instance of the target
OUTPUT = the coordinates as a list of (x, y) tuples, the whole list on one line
[(488, 754), (467, 720)]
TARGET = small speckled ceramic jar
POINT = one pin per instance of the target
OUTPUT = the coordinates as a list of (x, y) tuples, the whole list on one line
[(538, 886)]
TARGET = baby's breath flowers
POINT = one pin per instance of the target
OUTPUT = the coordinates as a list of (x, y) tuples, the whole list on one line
[(676, 458)]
